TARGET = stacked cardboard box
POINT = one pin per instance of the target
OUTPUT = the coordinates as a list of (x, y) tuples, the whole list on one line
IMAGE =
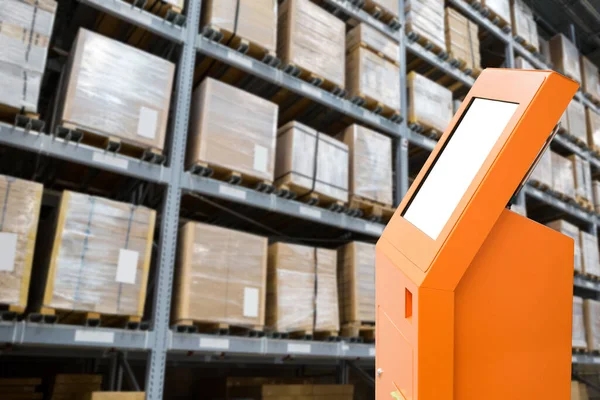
[(369, 75), (542, 174), (501, 8), (596, 190), (579, 391), (429, 103), (573, 232), (522, 63), (370, 164), (589, 252), (356, 284), (309, 162), (593, 129), (462, 40), (545, 50), (251, 20), (232, 130), (302, 289), (20, 389), (524, 25), (312, 39), (75, 387), (25, 29), (117, 91), (582, 176), (116, 396), (20, 203), (590, 78), (565, 56), (579, 339), (562, 176), (573, 122), (221, 277), (100, 257), (389, 7), (426, 19), (591, 310)]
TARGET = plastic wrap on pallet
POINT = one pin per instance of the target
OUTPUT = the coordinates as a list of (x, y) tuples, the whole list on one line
[(590, 78), (576, 121), (296, 166), (429, 103), (25, 30), (562, 176), (571, 231), (370, 164), (356, 282), (313, 40), (593, 129), (373, 78), (591, 312), (523, 23), (365, 35), (426, 18), (301, 289), (100, 256), (388, 6), (115, 90), (565, 56), (589, 252), (542, 173), (499, 7), (221, 277), (596, 191), (232, 129), (252, 20), (20, 203), (462, 39), (579, 331), (583, 177), (522, 63)]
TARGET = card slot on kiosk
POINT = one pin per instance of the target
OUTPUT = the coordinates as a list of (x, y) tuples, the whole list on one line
[(473, 300)]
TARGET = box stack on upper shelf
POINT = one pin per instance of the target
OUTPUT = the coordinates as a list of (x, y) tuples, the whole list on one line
[(565, 57), (582, 176), (462, 41), (590, 80), (429, 106), (425, 23), (386, 10), (593, 130), (498, 11), (524, 26), (591, 311), (573, 123), (579, 341)]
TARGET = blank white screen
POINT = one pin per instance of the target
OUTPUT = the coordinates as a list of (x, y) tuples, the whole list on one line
[(458, 165)]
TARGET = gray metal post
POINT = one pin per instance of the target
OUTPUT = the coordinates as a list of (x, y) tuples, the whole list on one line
[(155, 373), (402, 143)]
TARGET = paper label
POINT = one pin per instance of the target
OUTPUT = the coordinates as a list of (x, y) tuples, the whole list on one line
[(251, 302), (233, 192), (261, 158), (127, 267), (8, 251), (298, 348), (373, 228), (372, 351), (147, 122), (210, 343), (110, 159), (82, 335), (239, 59), (316, 92), (310, 212)]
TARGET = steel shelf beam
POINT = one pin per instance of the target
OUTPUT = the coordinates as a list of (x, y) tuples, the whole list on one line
[(581, 282), (434, 60), (361, 15), (585, 359), (561, 205)]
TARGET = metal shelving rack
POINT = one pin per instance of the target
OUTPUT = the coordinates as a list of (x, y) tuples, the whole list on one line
[(160, 341)]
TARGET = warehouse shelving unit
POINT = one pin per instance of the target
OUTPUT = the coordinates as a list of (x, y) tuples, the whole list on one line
[(159, 342)]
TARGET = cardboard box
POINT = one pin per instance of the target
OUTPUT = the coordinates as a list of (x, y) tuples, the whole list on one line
[(429, 103), (565, 56), (582, 176), (522, 63), (117, 396), (20, 203), (562, 176), (545, 50), (296, 166), (356, 283), (523, 24), (596, 191), (220, 276), (589, 252), (232, 130), (579, 327), (590, 78), (499, 7), (542, 173), (462, 39), (388, 6), (593, 129), (369, 37), (312, 39), (591, 309), (426, 19), (373, 78), (583, 392), (100, 257), (115, 90), (251, 20), (571, 231), (575, 118), (75, 386), (370, 164)]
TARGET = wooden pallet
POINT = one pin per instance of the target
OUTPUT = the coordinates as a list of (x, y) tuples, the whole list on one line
[(492, 16), (218, 328), (330, 336), (161, 8), (9, 312), (593, 98), (379, 13), (75, 317), (377, 212), (426, 43), (242, 45), (540, 185), (24, 119), (210, 170), (424, 129), (377, 107), (292, 191), (359, 331), (112, 144), (298, 335), (584, 203), (526, 44), (373, 50)]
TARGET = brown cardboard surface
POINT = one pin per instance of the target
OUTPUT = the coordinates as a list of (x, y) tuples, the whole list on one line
[(356, 282), (562, 175), (429, 103), (374, 40), (565, 56), (591, 309), (593, 128), (590, 78), (426, 18), (579, 324), (523, 23), (462, 39), (117, 396)]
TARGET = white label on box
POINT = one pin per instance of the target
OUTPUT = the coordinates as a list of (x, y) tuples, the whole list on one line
[(311, 89), (127, 266), (233, 192), (147, 122), (110, 159), (373, 228), (82, 335), (345, 347), (261, 158), (574, 359), (8, 251), (251, 302), (298, 348), (239, 59), (372, 351), (210, 343), (596, 360), (310, 212)]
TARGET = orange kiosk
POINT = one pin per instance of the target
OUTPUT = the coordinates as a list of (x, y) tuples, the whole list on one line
[(474, 301)]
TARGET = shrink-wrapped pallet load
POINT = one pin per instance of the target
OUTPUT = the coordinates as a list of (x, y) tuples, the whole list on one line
[(356, 282), (562, 176), (429, 103), (542, 173), (313, 40), (565, 56), (100, 257), (20, 203), (310, 162), (369, 37), (25, 30), (254, 21), (573, 232), (462, 40), (232, 130), (115, 91), (591, 311), (589, 253), (523, 24), (582, 176), (579, 331), (593, 129), (575, 122), (590, 78), (370, 164), (426, 19), (220, 278)]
